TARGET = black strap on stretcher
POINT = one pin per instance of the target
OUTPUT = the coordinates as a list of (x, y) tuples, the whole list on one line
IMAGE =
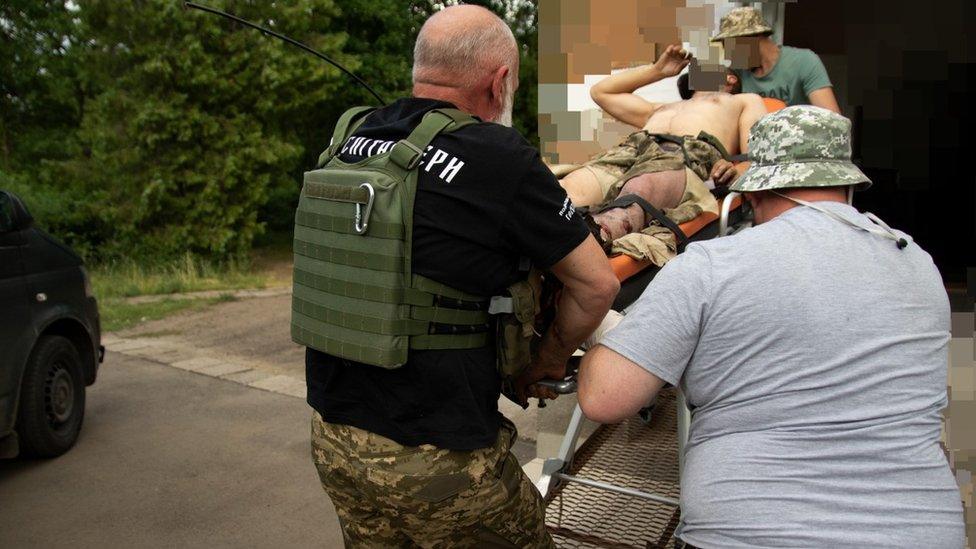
[(628, 199)]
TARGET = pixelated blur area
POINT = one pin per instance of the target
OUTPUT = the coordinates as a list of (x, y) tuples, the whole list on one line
[(901, 71)]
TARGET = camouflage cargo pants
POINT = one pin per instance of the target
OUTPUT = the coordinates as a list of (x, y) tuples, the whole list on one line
[(643, 153), (388, 495)]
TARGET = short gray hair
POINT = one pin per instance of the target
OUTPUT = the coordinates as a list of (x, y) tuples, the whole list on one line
[(465, 53)]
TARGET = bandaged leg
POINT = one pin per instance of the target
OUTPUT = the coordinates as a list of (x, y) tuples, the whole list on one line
[(662, 189)]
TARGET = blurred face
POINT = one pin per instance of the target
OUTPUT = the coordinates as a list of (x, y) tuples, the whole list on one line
[(743, 51), (712, 78), (707, 79)]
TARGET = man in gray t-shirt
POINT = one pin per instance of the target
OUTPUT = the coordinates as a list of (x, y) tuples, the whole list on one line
[(813, 352)]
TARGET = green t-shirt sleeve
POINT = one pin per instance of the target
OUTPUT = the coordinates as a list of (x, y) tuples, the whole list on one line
[(814, 73)]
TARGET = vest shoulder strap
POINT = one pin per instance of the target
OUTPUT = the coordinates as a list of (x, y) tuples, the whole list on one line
[(408, 152), (347, 124)]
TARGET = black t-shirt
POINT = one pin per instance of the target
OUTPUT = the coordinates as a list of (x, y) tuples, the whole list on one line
[(484, 200)]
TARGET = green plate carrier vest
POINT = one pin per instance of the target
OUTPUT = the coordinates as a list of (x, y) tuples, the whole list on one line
[(355, 295)]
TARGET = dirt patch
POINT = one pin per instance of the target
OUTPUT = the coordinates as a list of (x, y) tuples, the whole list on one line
[(254, 332)]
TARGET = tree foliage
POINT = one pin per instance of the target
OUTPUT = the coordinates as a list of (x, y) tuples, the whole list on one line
[(139, 128), (40, 93)]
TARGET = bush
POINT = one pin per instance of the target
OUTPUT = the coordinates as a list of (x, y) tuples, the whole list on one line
[(77, 218)]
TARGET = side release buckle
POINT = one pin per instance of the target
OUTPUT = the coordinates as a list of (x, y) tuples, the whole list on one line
[(500, 305)]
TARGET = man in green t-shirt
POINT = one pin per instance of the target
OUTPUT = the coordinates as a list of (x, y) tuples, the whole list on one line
[(794, 75)]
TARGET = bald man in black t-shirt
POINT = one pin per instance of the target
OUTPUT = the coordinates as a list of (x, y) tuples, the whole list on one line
[(420, 454)]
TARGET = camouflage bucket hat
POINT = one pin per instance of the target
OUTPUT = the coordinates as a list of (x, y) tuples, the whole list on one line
[(742, 22), (800, 146)]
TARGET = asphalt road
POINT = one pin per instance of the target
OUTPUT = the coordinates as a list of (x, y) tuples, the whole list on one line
[(172, 458)]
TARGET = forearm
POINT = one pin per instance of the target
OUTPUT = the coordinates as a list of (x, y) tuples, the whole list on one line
[(627, 81), (825, 98), (576, 317)]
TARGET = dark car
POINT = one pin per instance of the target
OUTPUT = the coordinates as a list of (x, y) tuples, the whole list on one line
[(49, 337)]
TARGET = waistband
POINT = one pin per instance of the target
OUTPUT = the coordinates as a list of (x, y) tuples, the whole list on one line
[(702, 136)]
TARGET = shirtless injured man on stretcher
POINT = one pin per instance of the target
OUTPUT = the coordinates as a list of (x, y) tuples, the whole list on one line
[(664, 164)]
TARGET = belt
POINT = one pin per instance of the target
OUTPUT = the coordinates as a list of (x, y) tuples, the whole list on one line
[(661, 138)]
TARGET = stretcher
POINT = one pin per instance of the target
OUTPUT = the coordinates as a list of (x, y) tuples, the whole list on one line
[(646, 443), (641, 458)]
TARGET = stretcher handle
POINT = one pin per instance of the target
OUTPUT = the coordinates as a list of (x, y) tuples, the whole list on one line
[(560, 387), (567, 385)]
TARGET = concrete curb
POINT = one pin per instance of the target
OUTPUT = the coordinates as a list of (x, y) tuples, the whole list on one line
[(180, 357), (238, 294)]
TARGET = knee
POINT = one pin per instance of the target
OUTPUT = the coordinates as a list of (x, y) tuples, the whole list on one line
[(660, 187)]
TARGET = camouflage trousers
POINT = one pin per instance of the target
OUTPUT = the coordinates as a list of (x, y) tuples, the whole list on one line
[(643, 152), (389, 495)]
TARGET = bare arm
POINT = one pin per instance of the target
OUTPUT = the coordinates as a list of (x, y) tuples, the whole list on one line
[(753, 109), (824, 97), (615, 93), (612, 387), (589, 288)]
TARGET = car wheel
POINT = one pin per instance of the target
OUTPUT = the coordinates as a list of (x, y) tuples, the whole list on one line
[(52, 399)]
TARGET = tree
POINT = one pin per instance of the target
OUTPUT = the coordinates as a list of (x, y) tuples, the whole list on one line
[(196, 124), (40, 97), (139, 128)]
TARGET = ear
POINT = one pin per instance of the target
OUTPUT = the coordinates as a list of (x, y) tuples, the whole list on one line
[(497, 89), (755, 198)]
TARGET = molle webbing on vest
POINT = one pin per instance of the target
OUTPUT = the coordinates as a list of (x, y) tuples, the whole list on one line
[(347, 124), (355, 295)]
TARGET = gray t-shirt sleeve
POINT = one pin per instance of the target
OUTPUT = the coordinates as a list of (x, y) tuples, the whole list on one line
[(660, 331), (814, 74)]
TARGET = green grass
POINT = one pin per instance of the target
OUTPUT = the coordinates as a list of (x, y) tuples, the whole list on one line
[(114, 282), (119, 315), (128, 278)]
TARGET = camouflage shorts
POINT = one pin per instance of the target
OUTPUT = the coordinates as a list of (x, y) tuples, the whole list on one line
[(643, 153), (388, 495)]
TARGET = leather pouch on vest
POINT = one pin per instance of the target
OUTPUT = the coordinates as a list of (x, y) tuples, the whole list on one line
[(515, 334)]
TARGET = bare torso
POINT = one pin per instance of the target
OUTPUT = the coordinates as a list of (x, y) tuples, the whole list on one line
[(715, 113)]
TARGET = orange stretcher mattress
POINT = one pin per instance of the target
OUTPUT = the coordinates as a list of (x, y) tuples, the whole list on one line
[(625, 266)]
